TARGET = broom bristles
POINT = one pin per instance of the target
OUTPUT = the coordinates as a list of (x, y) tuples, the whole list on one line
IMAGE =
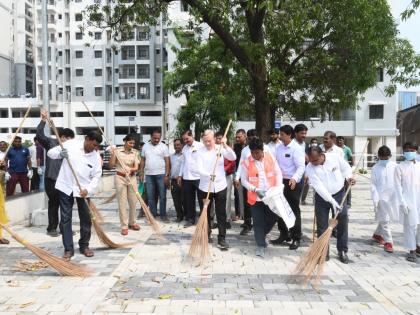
[(105, 239), (98, 216), (311, 265), (200, 240), (149, 216), (109, 199), (63, 267)]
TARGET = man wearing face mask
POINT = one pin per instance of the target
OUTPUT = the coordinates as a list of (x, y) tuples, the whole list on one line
[(407, 179), (383, 197)]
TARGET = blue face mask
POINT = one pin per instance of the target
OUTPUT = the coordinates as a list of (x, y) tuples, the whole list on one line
[(409, 156), (383, 162)]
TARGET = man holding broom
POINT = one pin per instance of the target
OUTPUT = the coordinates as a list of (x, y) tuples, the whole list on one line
[(327, 173), (215, 183), (87, 165)]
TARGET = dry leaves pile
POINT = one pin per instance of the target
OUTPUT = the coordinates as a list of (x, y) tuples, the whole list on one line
[(30, 265)]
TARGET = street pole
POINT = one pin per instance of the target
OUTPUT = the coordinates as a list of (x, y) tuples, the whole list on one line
[(45, 80)]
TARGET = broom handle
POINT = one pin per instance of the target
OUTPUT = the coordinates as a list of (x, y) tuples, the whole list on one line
[(17, 130), (349, 188), (217, 160)]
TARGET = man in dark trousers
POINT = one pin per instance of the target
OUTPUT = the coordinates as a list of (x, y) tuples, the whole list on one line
[(52, 169)]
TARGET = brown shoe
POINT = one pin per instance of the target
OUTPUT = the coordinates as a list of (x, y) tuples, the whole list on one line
[(87, 252), (124, 232), (134, 227), (68, 254), (4, 241)]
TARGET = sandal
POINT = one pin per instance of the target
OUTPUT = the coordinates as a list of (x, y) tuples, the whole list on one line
[(134, 227), (4, 241), (87, 252)]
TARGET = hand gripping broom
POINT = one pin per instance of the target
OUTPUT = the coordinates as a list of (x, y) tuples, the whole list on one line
[(152, 221), (93, 212), (311, 265), (63, 267), (200, 240)]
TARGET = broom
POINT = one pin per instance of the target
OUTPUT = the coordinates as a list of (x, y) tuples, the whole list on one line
[(109, 199), (149, 216), (93, 212), (63, 267), (200, 239), (311, 265)]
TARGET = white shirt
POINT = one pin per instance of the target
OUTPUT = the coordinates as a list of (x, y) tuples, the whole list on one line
[(245, 153), (2, 155), (176, 163), (262, 178), (407, 180), (32, 152), (273, 147), (328, 179), (86, 165), (383, 191), (291, 160), (206, 160), (189, 170), (155, 158), (334, 149), (301, 145)]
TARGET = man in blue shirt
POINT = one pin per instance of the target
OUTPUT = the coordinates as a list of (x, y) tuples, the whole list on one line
[(19, 167)]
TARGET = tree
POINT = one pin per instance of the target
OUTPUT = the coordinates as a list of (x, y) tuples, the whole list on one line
[(411, 10), (299, 56)]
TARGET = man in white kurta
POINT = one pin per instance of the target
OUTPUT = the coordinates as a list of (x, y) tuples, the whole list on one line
[(214, 183), (407, 178), (384, 198)]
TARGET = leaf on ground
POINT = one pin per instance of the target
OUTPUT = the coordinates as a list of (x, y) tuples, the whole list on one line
[(165, 296), (125, 290), (45, 286), (13, 283), (156, 279), (132, 255), (30, 265), (27, 304), (198, 290)]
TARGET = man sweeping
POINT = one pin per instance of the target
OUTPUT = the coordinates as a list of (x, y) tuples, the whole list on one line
[(327, 173), (260, 172), (407, 179), (87, 164), (384, 198)]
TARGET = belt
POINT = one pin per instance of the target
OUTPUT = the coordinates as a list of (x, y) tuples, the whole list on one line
[(123, 174)]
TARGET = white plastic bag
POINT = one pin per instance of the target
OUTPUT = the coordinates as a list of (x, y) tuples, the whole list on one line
[(277, 203)]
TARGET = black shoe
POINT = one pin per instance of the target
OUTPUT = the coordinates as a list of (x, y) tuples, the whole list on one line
[(188, 224), (282, 239), (243, 225), (178, 220), (245, 231), (165, 219), (214, 226), (228, 226), (295, 245), (53, 233), (342, 256), (334, 232), (222, 244), (210, 239)]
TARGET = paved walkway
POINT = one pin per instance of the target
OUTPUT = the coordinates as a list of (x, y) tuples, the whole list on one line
[(154, 277)]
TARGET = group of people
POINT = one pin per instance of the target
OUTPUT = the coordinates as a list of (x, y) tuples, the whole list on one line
[(212, 169)]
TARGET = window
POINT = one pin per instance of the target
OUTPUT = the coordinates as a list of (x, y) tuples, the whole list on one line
[(98, 35), (98, 53), (4, 130), (143, 91), (79, 91), (98, 91), (376, 111), (81, 131), (86, 114), (79, 35), (143, 71), (60, 16), (380, 75), (127, 53), (60, 71), (56, 114), (78, 17), (143, 52), (150, 113), (4, 113), (146, 130), (121, 130), (157, 69), (79, 54), (98, 72), (158, 89), (79, 72), (60, 53), (157, 51), (125, 113), (60, 35)]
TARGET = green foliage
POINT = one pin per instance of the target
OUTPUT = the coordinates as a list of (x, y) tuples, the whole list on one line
[(411, 10)]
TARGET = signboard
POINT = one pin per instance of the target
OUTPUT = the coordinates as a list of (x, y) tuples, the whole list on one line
[(277, 124)]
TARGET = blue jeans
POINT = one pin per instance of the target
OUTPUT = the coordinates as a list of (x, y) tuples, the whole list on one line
[(153, 183), (66, 211), (264, 220), (322, 211)]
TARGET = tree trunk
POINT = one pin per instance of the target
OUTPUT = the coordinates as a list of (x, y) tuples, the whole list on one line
[(264, 117)]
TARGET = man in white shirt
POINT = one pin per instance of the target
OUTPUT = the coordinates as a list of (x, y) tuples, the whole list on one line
[(155, 165), (189, 176), (329, 145), (260, 172), (300, 135), (274, 141), (176, 190), (291, 160), (215, 183), (327, 173), (86, 161)]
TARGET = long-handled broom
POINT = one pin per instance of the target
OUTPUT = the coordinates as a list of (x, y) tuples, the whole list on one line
[(200, 240), (93, 212), (149, 216), (311, 265)]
